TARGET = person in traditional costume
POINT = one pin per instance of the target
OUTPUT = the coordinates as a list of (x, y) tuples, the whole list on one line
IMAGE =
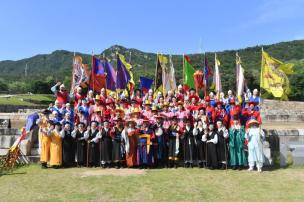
[(44, 139), (233, 110), (84, 108), (256, 99), (118, 143), (180, 93), (220, 113), (198, 132), (103, 96), (57, 111), (130, 136), (105, 145), (56, 145), (93, 145), (210, 112), (159, 145), (147, 111), (90, 98), (181, 114), (81, 146), (144, 144), (78, 96), (255, 136), (68, 109), (167, 114), (236, 145), (61, 94), (68, 146), (173, 133), (211, 139), (250, 113), (67, 119), (222, 144), (188, 143), (136, 116)]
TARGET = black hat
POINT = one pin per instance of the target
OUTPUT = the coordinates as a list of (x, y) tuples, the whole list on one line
[(46, 112), (80, 123)]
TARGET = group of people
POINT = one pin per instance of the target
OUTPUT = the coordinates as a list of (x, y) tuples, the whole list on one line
[(151, 130)]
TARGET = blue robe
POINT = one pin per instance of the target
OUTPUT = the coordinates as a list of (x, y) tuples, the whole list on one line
[(255, 138)]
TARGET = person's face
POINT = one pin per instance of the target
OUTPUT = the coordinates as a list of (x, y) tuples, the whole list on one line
[(174, 121), (251, 106), (58, 127), (102, 91), (80, 127), (255, 92), (161, 100), (180, 107), (150, 98), (193, 101), (67, 127), (106, 124), (68, 106), (94, 125), (79, 90), (68, 116), (211, 127), (62, 88), (57, 104), (219, 124), (235, 122), (147, 107), (174, 100), (188, 123), (200, 124)]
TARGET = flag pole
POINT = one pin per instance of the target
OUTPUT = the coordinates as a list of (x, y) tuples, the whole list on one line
[(205, 89), (155, 72), (183, 69), (261, 74), (93, 79), (104, 64), (73, 76)]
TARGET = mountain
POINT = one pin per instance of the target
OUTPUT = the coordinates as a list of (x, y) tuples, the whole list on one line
[(58, 64)]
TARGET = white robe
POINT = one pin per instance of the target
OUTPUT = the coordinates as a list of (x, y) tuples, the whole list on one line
[(255, 138)]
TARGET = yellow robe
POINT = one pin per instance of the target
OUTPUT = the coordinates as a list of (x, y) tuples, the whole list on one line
[(44, 140), (56, 149)]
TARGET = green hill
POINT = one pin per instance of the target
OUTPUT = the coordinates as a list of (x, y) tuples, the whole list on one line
[(57, 66)]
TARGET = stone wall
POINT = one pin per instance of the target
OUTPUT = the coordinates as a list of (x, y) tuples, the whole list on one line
[(278, 111), (20, 108)]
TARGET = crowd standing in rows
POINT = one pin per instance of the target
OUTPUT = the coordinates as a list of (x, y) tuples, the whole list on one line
[(151, 130)]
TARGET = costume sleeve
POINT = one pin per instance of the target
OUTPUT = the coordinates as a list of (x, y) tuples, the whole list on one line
[(62, 134), (159, 132), (195, 131), (226, 134), (53, 89), (214, 140), (86, 135), (204, 138)]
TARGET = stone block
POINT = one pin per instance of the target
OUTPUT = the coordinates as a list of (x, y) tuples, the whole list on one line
[(267, 157), (6, 141), (283, 155)]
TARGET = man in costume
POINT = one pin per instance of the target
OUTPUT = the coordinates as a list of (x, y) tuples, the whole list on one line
[(198, 133), (255, 137), (68, 149), (105, 144), (130, 136), (56, 145), (236, 144), (211, 139), (44, 139), (159, 143), (144, 144), (93, 144), (61, 94), (222, 144), (173, 133), (81, 145), (188, 143), (118, 143)]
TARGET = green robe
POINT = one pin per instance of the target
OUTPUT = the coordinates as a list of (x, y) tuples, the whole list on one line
[(236, 147)]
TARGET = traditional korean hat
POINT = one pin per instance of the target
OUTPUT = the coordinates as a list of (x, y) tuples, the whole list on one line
[(253, 121), (46, 112), (195, 97), (207, 98), (250, 102), (81, 123), (131, 121), (159, 117), (180, 103), (94, 122), (97, 109), (166, 104), (136, 110), (120, 110), (154, 108), (147, 102), (219, 121), (97, 97)]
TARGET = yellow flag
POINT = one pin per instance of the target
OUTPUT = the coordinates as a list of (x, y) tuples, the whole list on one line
[(273, 76)]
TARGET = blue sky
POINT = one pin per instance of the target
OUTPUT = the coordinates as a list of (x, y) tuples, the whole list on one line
[(32, 27)]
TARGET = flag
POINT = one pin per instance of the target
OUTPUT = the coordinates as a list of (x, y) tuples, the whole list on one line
[(217, 77), (207, 72), (128, 67), (98, 76), (188, 73), (273, 76), (158, 86), (168, 75), (110, 75), (79, 75), (123, 75), (145, 84), (240, 78), (31, 121)]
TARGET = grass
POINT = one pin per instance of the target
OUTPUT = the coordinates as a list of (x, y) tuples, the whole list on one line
[(31, 183), (27, 99)]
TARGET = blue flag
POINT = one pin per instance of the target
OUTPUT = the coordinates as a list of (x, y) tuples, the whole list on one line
[(123, 76), (145, 84), (110, 76)]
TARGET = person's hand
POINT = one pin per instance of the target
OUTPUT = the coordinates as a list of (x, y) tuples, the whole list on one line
[(195, 124), (58, 83)]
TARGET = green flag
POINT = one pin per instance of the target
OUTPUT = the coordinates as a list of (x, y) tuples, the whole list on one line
[(188, 73)]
